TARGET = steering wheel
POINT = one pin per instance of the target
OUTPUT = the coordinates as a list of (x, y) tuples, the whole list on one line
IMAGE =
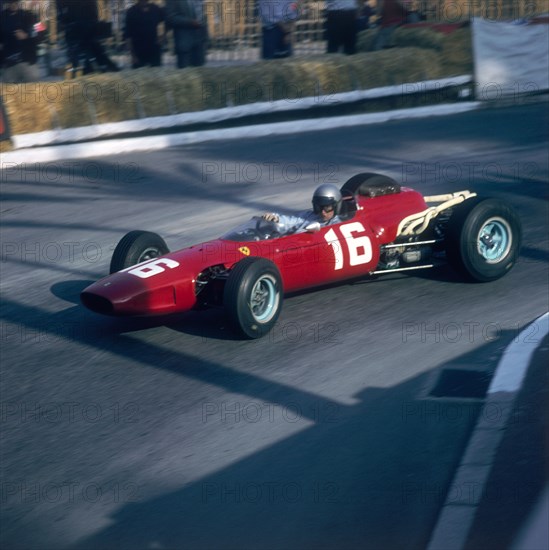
[(267, 229)]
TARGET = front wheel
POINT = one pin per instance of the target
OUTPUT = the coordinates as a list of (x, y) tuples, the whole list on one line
[(136, 247), (253, 296), (483, 238)]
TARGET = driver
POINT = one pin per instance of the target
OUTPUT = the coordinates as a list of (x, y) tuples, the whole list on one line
[(326, 208)]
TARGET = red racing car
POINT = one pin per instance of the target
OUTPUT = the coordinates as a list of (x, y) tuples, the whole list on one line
[(382, 228)]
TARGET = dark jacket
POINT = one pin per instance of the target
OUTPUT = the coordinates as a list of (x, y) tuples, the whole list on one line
[(186, 18), (14, 50)]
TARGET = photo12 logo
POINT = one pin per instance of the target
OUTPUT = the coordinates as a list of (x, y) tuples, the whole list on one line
[(269, 172), (67, 492), (51, 252)]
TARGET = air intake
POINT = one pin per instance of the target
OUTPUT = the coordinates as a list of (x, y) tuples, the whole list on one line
[(97, 303)]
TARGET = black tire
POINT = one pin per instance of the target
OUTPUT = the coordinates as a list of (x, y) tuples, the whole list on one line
[(136, 247), (253, 296), (483, 238), (370, 184)]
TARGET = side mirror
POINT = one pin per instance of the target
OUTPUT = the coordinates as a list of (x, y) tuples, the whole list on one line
[(313, 227)]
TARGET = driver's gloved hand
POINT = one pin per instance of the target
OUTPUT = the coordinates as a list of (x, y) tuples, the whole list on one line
[(271, 217)]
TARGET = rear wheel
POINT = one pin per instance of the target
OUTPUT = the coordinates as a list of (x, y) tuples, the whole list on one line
[(253, 296), (483, 238), (370, 184), (136, 247)]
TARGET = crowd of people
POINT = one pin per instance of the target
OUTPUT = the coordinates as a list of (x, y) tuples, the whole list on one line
[(146, 23)]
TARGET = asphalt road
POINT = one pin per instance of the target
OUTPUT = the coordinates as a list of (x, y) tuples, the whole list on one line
[(145, 434)]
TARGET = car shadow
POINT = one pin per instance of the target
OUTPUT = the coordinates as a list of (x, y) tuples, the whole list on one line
[(213, 323), (69, 291)]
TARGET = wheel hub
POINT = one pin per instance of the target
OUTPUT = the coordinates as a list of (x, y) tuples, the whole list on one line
[(263, 299), (149, 254), (494, 240)]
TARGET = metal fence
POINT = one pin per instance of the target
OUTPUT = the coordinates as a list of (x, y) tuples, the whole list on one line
[(235, 29), (235, 25)]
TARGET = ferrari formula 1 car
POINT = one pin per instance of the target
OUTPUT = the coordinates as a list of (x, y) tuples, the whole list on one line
[(384, 228)]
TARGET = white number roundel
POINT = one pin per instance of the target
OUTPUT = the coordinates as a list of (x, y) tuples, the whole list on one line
[(153, 267), (360, 247)]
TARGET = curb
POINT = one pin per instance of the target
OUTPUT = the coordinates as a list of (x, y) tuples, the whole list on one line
[(153, 143), (458, 512)]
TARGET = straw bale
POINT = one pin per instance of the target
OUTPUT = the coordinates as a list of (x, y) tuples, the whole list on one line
[(113, 97), (307, 79), (412, 65), (365, 40), (71, 106), (287, 80), (236, 87), (328, 74), (457, 53), (6, 146), (220, 86), (26, 109), (367, 70), (259, 83), (129, 95), (339, 74), (152, 87), (394, 66), (418, 38), (184, 89), (303, 81)]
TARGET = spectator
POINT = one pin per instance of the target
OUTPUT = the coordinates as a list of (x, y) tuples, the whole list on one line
[(190, 32), (141, 32), (81, 22), (414, 15), (341, 25), (365, 12), (277, 18), (393, 14), (18, 44)]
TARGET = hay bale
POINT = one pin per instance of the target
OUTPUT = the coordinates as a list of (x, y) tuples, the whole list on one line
[(394, 66), (328, 74), (288, 81), (113, 97), (130, 95), (411, 65), (365, 40), (72, 107), (260, 82), (418, 38), (237, 87), (220, 86), (6, 146), (367, 70), (185, 90), (152, 88), (26, 107), (457, 53)]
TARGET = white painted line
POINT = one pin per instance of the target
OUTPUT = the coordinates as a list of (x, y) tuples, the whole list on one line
[(155, 143), (457, 516), (216, 115), (515, 360), (535, 534)]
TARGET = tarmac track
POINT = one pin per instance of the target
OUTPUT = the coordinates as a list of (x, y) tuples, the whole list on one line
[(146, 434)]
